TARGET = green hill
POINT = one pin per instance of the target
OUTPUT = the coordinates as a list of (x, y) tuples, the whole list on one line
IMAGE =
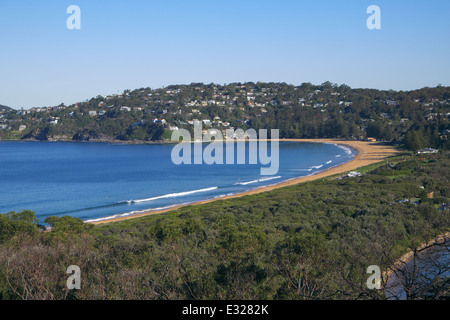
[(417, 119)]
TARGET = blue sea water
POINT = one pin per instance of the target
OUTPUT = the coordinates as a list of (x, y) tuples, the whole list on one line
[(95, 181)]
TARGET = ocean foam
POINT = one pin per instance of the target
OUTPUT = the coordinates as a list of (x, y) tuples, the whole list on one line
[(128, 214), (256, 181), (345, 148), (171, 195)]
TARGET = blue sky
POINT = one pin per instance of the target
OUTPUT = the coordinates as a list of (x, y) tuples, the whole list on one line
[(136, 43)]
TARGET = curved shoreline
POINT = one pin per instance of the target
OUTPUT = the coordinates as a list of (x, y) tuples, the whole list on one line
[(368, 153), (409, 255)]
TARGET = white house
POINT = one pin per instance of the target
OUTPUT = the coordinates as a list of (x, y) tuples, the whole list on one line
[(353, 174), (156, 120), (427, 150)]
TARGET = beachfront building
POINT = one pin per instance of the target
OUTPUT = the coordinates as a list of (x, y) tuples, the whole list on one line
[(353, 174), (427, 150)]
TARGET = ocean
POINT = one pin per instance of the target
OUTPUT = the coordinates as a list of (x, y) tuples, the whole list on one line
[(97, 181)]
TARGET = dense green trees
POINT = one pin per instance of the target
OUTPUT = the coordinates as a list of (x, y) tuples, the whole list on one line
[(415, 119), (14, 223), (67, 224), (310, 241)]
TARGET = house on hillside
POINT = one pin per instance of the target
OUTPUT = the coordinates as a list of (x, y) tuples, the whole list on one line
[(427, 150), (353, 174)]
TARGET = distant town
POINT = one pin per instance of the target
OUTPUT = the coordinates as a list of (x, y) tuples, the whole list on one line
[(418, 119)]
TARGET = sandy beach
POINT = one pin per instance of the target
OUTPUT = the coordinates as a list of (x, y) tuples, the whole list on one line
[(368, 153)]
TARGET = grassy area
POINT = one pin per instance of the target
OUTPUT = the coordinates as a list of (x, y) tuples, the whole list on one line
[(10, 135)]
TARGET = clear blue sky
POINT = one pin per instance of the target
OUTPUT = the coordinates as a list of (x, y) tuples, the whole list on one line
[(148, 43)]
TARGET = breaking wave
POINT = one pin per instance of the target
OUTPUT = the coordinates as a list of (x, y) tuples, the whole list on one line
[(256, 181), (170, 195), (345, 148)]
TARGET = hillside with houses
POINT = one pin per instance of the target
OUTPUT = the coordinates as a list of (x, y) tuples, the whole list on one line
[(417, 119)]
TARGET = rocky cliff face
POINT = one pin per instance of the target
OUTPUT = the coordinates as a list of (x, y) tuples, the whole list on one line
[(89, 135), (85, 135), (37, 134)]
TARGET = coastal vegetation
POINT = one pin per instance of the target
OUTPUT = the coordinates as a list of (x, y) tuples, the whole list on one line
[(414, 119), (313, 240)]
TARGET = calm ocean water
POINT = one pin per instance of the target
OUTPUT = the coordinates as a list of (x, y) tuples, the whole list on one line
[(94, 181)]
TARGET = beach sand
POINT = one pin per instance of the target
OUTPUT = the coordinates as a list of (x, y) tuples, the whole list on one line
[(368, 153)]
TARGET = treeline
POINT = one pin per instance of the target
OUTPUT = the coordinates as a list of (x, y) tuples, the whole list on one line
[(84, 128), (310, 241), (415, 119)]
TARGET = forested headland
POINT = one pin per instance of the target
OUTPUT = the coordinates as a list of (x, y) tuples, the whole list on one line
[(414, 119)]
